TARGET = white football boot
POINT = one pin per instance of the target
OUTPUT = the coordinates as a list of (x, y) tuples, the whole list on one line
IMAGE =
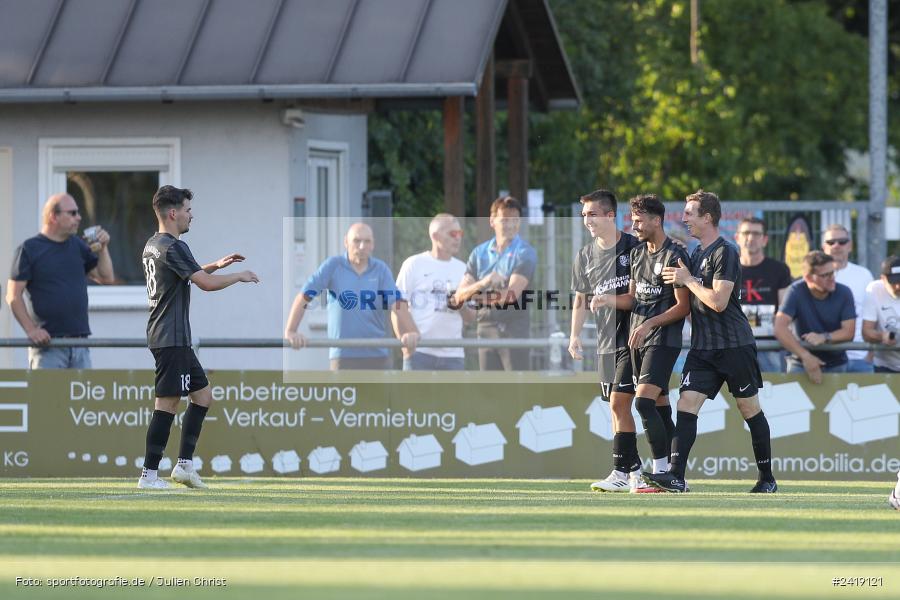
[(187, 478), (615, 482), (152, 484)]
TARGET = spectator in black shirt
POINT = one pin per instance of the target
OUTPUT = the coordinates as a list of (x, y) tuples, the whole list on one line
[(53, 267), (722, 345), (764, 282)]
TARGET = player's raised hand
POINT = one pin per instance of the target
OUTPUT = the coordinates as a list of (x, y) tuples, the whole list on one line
[(228, 260), (248, 277), (679, 275), (575, 349)]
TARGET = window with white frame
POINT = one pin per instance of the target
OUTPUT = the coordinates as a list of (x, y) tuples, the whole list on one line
[(113, 181)]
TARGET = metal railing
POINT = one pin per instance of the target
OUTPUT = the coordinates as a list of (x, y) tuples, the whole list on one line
[(548, 342)]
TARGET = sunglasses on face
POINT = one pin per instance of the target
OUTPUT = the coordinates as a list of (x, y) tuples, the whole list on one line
[(71, 213), (839, 241), (828, 275)]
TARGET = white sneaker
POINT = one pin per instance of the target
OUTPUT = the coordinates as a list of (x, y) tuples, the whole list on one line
[(613, 483), (188, 478), (894, 499), (152, 484)]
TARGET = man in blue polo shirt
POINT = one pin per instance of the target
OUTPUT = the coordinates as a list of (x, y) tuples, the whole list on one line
[(360, 289), (53, 267), (497, 274), (820, 311)]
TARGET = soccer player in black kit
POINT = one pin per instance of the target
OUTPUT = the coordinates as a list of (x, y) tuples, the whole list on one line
[(657, 318), (170, 268), (600, 277), (722, 345)]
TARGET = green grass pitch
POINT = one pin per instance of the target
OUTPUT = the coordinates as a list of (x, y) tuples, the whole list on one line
[(461, 539)]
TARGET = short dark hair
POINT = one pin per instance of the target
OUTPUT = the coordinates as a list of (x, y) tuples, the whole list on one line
[(169, 196), (814, 259), (753, 221), (606, 199), (649, 204), (505, 202), (709, 205)]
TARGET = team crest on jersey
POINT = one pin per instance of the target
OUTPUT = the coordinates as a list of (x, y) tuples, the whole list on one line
[(623, 260), (657, 268)]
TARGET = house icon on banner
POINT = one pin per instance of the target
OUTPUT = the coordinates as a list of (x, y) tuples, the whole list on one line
[(600, 419), (787, 408), (419, 452), (252, 463), (863, 414), (324, 460), (479, 444), (545, 429), (368, 456), (286, 461), (712, 413)]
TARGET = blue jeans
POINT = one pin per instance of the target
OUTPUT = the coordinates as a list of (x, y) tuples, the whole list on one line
[(420, 361), (771, 361), (59, 358), (793, 367), (858, 365)]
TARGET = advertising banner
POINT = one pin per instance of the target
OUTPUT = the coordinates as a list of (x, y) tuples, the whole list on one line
[(394, 424)]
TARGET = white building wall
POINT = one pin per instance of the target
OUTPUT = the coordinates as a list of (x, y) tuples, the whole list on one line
[(244, 166)]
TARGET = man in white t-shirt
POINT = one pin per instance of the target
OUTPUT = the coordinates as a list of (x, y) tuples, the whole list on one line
[(881, 315), (428, 280), (838, 244)]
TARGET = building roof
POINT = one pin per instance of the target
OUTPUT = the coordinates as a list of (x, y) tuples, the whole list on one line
[(118, 50)]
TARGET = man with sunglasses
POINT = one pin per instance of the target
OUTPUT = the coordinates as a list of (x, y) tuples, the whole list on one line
[(427, 280), (54, 267), (817, 310), (838, 244)]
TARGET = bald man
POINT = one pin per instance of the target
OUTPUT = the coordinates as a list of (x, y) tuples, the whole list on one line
[(427, 280), (54, 267), (360, 288)]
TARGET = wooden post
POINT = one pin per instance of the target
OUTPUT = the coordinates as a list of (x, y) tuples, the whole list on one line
[(454, 172), (517, 139), (485, 156)]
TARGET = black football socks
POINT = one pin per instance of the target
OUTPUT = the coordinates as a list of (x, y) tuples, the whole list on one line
[(190, 429)]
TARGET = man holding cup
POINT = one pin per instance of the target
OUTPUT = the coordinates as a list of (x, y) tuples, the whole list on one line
[(53, 267)]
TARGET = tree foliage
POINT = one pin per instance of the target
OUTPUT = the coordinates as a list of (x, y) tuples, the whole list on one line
[(778, 97)]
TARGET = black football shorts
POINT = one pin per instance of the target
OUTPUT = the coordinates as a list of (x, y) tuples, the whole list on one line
[(178, 372), (653, 365), (615, 373), (706, 370)]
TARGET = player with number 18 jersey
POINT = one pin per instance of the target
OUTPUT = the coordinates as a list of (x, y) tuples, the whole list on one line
[(168, 266)]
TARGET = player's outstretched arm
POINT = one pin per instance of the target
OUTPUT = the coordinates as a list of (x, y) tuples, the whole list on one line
[(214, 283), (223, 262)]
